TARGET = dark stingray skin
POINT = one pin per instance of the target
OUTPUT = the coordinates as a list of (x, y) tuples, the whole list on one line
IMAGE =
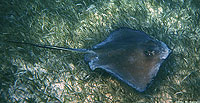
[(132, 56)]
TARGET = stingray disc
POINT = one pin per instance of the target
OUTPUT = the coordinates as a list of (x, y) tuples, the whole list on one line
[(129, 55)]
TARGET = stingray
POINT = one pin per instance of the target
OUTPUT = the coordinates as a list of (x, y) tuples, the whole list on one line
[(131, 56)]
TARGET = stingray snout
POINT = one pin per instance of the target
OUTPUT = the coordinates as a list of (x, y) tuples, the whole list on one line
[(165, 51)]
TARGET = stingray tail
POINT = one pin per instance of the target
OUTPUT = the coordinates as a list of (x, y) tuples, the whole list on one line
[(54, 47)]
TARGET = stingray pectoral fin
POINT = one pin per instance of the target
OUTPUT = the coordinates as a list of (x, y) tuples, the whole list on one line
[(138, 86), (139, 82), (135, 76)]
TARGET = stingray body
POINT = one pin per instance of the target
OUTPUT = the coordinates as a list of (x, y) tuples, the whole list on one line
[(132, 56)]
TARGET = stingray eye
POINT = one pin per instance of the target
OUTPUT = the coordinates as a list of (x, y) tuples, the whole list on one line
[(149, 52)]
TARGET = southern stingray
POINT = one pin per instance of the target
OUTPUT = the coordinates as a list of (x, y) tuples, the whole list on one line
[(131, 56)]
